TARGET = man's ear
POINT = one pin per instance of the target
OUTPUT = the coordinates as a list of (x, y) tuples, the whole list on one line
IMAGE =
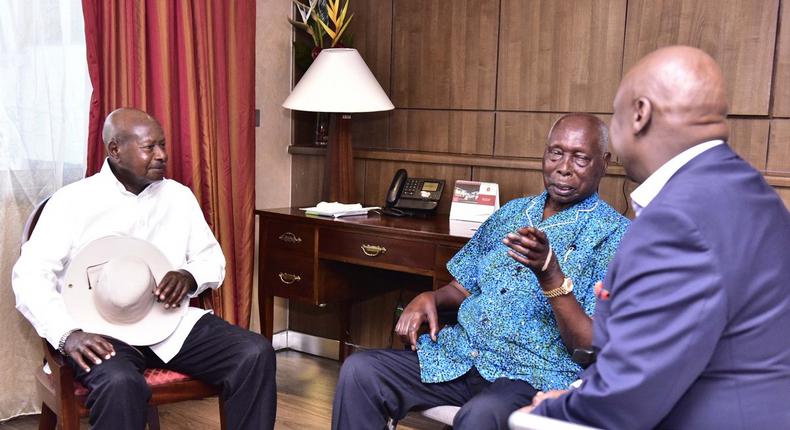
[(643, 112), (113, 149), (607, 157)]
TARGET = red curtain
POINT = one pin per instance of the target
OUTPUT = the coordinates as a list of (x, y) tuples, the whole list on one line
[(191, 65)]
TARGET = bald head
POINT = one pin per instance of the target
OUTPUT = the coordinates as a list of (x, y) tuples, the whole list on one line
[(120, 123), (135, 145), (671, 100)]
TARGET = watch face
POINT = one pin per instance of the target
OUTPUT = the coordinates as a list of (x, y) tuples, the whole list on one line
[(567, 285)]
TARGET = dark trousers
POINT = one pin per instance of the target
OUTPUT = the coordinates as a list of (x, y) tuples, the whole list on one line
[(382, 384), (239, 361)]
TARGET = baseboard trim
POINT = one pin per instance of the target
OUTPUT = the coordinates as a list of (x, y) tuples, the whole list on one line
[(303, 342), (280, 340)]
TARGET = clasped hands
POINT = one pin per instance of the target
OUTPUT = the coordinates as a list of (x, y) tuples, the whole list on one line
[(86, 348)]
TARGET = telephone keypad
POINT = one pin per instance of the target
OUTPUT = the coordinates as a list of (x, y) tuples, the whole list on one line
[(411, 187)]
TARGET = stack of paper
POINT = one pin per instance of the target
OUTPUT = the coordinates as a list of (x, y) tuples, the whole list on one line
[(335, 209)]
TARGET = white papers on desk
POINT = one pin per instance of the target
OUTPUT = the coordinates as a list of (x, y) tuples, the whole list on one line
[(474, 201), (335, 209)]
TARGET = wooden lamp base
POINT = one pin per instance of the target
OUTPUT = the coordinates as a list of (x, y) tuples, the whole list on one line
[(339, 167)]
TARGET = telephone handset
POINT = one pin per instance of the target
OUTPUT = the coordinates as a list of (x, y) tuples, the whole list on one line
[(412, 196)]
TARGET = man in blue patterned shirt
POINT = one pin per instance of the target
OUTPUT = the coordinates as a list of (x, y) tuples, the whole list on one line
[(523, 288)]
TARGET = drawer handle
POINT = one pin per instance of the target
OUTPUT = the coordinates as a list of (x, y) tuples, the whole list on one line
[(373, 250), (289, 278), (289, 237)]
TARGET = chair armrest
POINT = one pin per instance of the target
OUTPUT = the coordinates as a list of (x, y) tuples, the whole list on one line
[(205, 300), (52, 356), (62, 374), (524, 421), (583, 357)]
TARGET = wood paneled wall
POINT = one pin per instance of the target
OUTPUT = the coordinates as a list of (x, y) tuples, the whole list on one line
[(560, 56), (477, 84)]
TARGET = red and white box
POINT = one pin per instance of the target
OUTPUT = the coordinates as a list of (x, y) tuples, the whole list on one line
[(473, 203)]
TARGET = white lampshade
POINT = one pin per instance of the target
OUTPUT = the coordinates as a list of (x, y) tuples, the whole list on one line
[(338, 81)]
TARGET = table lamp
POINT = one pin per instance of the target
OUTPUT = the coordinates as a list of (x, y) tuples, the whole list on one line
[(339, 82)]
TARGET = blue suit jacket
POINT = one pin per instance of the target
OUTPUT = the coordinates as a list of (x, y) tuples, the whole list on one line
[(696, 331)]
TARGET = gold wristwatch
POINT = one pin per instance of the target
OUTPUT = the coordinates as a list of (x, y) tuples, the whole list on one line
[(565, 288)]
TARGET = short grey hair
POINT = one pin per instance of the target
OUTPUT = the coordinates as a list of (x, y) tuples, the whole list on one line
[(592, 121)]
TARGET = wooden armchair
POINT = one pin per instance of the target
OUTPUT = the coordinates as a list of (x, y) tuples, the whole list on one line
[(63, 398)]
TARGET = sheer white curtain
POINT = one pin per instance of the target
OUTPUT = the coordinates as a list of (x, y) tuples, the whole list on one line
[(44, 100)]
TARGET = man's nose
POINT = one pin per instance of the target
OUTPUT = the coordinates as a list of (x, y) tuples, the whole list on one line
[(160, 153), (564, 166)]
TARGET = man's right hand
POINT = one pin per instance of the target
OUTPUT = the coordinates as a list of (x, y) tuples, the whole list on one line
[(418, 311), (86, 348)]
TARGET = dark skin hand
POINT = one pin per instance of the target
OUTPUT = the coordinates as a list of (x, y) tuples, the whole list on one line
[(424, 309), (86, 348), (173, 287), (530, 247)]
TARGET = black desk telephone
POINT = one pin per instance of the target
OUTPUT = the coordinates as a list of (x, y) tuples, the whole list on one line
[(412, 196)]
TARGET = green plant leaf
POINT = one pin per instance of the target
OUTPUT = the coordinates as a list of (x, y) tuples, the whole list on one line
[(302, 57)]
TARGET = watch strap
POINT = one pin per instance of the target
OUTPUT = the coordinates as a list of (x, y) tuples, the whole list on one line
[(565, 288)]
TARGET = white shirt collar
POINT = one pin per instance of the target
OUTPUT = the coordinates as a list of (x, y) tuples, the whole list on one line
[(645, 193), (107, 175)]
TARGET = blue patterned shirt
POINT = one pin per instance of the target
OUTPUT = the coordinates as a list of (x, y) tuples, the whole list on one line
[(506, 327)]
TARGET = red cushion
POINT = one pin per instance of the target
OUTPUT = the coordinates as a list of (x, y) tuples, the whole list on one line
[(153, 377), (156, 377)]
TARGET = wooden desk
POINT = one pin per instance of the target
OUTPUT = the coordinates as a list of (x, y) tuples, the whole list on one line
[(322, 260)]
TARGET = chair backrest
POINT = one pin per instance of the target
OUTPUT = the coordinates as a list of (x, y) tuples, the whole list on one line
[(32, 220)]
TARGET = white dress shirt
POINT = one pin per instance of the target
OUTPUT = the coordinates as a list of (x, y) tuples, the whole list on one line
[(165, 213), (649, 189)]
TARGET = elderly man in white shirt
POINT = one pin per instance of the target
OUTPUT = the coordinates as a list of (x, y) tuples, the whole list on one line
[(130, 197)]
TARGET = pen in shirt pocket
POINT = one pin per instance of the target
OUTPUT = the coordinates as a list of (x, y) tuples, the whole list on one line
[(568, 251), (600, 292)]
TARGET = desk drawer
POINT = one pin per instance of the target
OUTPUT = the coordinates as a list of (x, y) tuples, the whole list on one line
[(288, 236), (289, 275), (376, 250)]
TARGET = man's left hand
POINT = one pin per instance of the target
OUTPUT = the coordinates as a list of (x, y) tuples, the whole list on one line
[(540, 397), (173, 287)]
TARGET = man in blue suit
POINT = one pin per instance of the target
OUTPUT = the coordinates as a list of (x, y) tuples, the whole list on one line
[(692, 324)]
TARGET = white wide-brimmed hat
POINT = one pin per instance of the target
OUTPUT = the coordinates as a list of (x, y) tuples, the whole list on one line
[(108, 290)]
